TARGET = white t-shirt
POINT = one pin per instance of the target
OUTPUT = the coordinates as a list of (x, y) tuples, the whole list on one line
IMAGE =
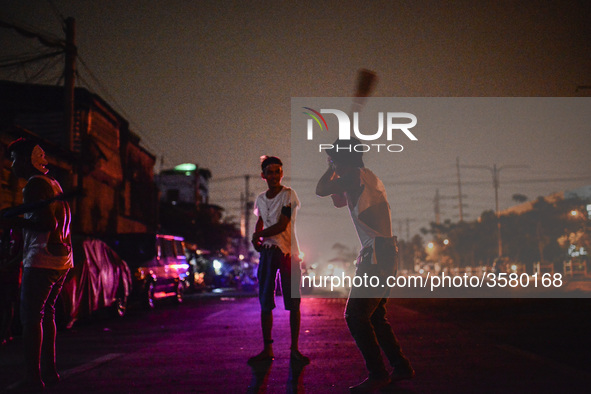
[(373, 195), (36, 253), (269, 209)]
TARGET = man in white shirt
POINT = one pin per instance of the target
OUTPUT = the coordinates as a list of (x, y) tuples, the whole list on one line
[(352, 185), (275, 239)]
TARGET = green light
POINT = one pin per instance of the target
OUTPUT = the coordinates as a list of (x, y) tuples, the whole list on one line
[(186, 167)]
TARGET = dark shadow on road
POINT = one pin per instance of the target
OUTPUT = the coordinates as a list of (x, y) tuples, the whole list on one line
[(404, 387), (260, 377), (296, 377)]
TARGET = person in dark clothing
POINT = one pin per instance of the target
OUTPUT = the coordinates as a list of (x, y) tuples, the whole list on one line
[(47, 257)]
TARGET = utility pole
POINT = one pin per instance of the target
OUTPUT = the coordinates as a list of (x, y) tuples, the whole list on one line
[(406, 223), (70, 78), (248, 205), (437, 204), (69, 106), (408, 228), (406, 243), (496, 184), (69, 47), (459, 190), (436, 207), (70, 50)]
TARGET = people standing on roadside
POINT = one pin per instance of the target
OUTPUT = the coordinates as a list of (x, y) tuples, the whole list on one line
[(47, 257), (275, 239), (350, 184)]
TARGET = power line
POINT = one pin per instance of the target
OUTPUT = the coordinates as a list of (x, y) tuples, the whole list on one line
[(104, 90), (44, 69), (46, 39), (112, 101), (549, 180), (51, 41), (466, 183), (229, 178), (29, 59)]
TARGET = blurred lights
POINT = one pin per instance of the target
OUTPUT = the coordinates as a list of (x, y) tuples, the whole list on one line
[(573, 251), (430, 245), (186, 167), (139, 274), (217, 266), (179, 266), (446, 241), (172, 237)]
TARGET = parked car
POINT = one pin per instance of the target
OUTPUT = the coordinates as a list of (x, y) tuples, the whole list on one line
[(100, 280), (158, 264)]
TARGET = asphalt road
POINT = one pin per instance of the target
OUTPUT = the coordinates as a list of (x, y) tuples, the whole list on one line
[(201, 346)]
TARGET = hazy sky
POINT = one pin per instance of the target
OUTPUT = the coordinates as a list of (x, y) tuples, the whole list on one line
[(518, 134), (210, 82)]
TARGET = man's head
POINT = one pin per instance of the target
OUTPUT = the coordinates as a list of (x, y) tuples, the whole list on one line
[(344, 156), (272, 170), (27, 157)]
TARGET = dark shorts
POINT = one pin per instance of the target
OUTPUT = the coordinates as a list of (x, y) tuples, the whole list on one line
[(272, 260)]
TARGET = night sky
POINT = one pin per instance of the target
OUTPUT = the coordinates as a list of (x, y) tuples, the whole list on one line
[(210, 82)]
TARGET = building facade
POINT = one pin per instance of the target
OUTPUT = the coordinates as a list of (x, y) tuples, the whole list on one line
[(184, 184), (101, 157)]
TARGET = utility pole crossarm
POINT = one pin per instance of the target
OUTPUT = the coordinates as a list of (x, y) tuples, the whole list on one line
[(513, 166), (483, 167)]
